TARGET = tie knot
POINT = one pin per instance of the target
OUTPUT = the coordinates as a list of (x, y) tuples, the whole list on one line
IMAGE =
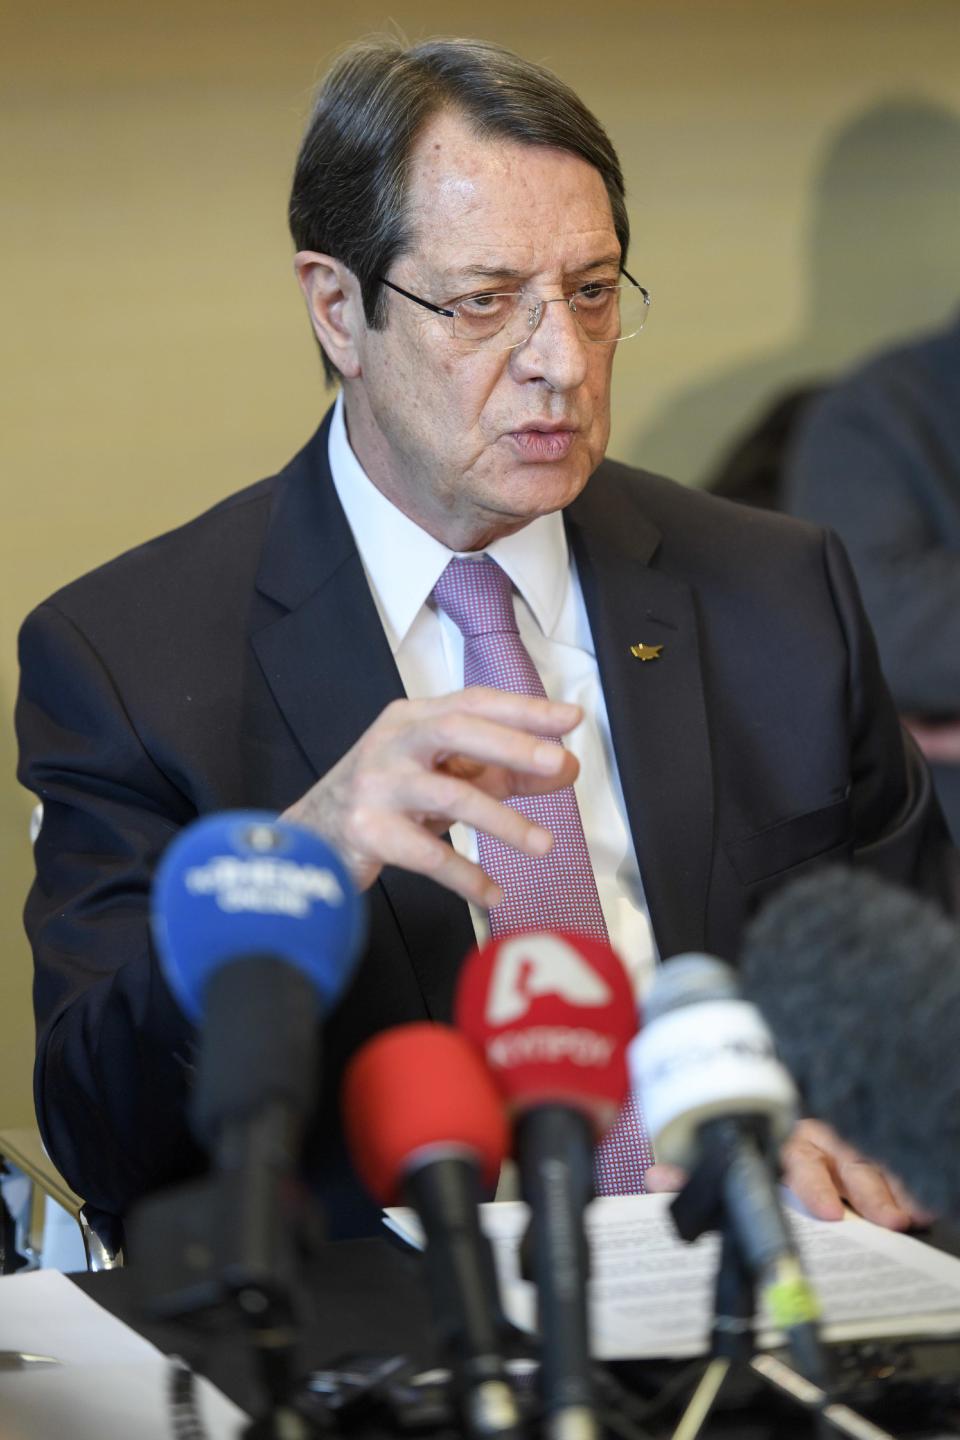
[(477, 595)]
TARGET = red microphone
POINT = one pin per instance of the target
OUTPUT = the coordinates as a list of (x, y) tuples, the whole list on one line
[(553, 1014), (412, 1092), (425, 1122)]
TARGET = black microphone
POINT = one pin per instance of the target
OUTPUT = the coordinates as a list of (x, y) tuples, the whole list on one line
[(717, 1103), (552, 1014), (425, 1123), (258, 928), (859, 981)]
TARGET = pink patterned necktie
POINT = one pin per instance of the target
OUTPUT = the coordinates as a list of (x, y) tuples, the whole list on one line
[(556, 891)]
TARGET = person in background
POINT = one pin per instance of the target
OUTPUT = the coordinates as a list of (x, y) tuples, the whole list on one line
[(877, 458)]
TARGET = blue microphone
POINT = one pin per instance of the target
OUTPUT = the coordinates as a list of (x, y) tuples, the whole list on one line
[(258, 928), (243, 882)]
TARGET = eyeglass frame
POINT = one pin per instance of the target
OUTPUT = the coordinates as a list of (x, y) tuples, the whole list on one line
[(541, 305)]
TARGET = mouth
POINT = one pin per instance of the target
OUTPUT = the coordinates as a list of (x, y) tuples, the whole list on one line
[(542, 441)]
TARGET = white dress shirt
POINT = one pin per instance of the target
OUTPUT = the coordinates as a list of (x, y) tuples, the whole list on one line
[(402, 564)]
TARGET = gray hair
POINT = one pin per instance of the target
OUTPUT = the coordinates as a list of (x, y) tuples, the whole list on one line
[(350, 182)]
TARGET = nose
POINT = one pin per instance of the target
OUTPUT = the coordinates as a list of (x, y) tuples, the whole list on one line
[(555, 350)]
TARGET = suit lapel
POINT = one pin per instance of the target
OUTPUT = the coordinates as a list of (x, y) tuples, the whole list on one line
[(331, 672), (328, 664), (656, 707)]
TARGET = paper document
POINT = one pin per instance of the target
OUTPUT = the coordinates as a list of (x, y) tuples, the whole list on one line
[(109, 1383), (652, 1295), (44, 1312)]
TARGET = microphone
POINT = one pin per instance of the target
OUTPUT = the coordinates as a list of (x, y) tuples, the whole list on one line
[(552, 1014), (717, 1103), (860, 982), (258, 929), (424, 1121)]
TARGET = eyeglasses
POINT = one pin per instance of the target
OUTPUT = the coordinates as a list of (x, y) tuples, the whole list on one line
[(605, 314)]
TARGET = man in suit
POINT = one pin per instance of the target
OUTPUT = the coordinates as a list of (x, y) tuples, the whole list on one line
[(461, 241), (877, 458)]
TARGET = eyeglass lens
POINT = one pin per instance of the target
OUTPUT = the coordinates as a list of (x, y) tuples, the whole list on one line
[(605, 314)]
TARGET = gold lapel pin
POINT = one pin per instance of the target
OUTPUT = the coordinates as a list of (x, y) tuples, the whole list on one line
[(646, 652)]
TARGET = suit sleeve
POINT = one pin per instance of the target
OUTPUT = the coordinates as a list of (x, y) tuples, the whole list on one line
[(897, 825), (114, 1053), (877, 478)]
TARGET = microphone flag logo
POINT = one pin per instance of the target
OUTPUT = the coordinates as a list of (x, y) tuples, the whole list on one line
[(528, 966), (237, 883), (552, 1013)]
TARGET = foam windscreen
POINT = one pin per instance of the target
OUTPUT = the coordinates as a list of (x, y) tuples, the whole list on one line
[(418, 1089)]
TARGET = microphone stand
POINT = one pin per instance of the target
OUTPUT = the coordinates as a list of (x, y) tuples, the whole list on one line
[(555, 1145), (701, 1206), (222, 1254), (229, 1248)]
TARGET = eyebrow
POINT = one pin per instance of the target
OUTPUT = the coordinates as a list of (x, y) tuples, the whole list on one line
[(507, 272)]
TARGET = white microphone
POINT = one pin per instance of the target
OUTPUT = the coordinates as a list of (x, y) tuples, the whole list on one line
[(718, 1102), (705, 1053)]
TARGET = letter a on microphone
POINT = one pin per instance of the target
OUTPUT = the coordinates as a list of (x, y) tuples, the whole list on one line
[(527, 967)]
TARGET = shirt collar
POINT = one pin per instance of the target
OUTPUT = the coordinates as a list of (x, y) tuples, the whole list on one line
[(535, 558)]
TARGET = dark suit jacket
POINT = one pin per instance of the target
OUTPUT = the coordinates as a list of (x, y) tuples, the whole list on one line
[(231, 662), (877, 458)]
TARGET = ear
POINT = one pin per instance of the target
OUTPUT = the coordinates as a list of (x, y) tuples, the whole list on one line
[(336, 310)]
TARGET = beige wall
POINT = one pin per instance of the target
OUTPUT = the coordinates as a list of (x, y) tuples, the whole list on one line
[(153, 350)]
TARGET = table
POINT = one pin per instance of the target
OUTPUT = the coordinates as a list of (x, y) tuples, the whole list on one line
[(367, 1296)]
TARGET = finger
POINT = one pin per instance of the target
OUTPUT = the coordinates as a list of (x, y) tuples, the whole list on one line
[(462, 766), (532, 714), (535, 713), (502, 782), (867, 1189), (436, 739), (919, 1216), (822, 1169), (823, 1137), (436, 795), (397, 840), (864, 1185), (518, 783), (809, 1173), (661, 1178)]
